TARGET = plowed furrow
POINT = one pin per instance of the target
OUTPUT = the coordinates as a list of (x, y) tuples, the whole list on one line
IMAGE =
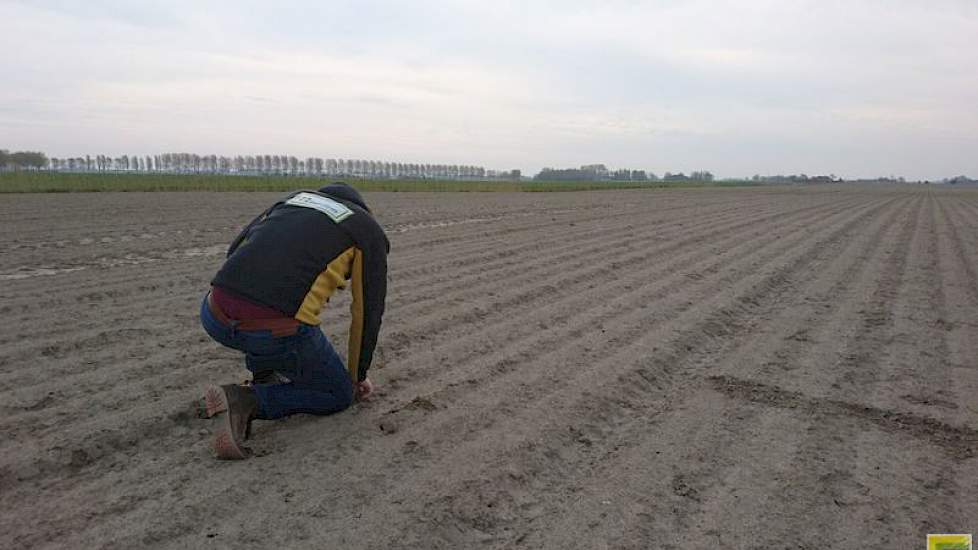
[(479, 295), (964, 248), (826, 461), (827, 222), (599, 388), (425, 263), (501, 282), (775, 449), (684, 482), (124, 278), (956, 321), (768, 437), (629, 369), (775, 279), (646, 303), (543, 224), (102, 338), (75, 386)]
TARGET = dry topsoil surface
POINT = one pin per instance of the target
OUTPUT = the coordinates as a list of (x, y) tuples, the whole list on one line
[(743, 368)]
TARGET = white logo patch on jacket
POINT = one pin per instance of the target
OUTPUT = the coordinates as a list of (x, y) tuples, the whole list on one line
[(336, 211)]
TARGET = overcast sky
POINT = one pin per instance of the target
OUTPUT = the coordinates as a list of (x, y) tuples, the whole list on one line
[(855, 88)]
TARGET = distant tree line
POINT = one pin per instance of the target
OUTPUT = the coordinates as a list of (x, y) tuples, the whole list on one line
[(287, 165), (832, 178), (799, 178), (600, 172), (281, 165), (592, 172), (19, 160), (960, 180), (702, 175)]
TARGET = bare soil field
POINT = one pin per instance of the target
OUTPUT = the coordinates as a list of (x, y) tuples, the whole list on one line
[(739, 368)]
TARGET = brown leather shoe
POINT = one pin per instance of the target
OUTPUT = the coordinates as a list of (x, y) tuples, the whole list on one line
[(237, 406), (212, 402)]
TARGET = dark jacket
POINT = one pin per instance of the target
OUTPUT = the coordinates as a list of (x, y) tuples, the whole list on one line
[(298, 252)]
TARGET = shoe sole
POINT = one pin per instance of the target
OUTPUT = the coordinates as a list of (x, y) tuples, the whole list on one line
[(225, 447), (213, 402)]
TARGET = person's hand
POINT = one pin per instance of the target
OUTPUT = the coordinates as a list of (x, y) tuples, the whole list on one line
[(364, 389)]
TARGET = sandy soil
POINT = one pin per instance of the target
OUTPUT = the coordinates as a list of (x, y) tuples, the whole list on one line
[(750, 368)]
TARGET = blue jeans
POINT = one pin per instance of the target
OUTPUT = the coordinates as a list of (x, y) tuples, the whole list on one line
[(319, 382)]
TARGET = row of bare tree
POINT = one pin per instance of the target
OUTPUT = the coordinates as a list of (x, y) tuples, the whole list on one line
[(190, 163)]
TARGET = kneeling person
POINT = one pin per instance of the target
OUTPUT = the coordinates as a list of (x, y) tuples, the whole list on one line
[(266, 300)]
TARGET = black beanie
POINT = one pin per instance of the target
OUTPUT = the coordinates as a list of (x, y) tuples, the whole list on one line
[(343, 191)]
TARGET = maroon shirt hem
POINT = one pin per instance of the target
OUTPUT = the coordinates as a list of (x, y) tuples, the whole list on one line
[(240, 308)]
